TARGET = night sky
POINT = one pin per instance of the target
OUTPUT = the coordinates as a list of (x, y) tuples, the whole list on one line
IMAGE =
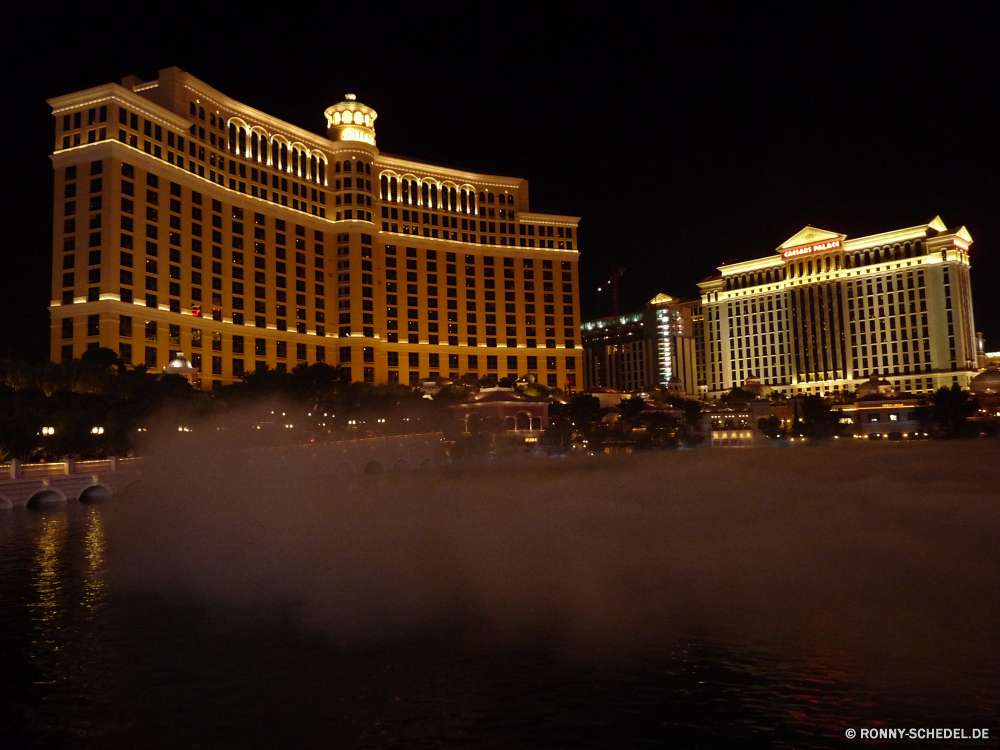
[(684, 139)]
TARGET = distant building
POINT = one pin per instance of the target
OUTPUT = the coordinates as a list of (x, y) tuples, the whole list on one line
[(986, 388), (736, 425), (642, 349), (880, 411), (824, 313), (180, 365), (517, 413)]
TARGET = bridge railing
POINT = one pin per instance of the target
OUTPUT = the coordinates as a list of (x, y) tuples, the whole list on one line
[(16, 470), (29, 471)]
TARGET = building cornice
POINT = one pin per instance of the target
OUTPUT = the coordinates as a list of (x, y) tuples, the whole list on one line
[(280, 127), (403, 164), (114, 92), (526, 217)]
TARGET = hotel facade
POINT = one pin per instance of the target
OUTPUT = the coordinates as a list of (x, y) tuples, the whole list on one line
[(825, 312), (185, 221), (642, 349)]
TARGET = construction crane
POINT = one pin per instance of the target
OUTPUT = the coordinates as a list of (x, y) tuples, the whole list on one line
[(617, 374), (614, 276)]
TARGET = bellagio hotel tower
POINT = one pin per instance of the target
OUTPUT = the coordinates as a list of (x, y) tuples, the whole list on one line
[(185, 221)]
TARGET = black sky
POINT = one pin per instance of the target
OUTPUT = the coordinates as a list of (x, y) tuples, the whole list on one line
[(684, 136)]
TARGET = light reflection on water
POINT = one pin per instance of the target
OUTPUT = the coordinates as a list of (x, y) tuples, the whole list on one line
[(85, 669)]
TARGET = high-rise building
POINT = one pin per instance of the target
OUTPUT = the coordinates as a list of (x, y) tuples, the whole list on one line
[(186, 221), (824, 313), (642, 349)]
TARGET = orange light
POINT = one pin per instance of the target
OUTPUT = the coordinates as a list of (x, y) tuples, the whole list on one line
[(807, 249)]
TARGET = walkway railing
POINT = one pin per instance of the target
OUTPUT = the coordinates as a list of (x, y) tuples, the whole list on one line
[(17, 470)]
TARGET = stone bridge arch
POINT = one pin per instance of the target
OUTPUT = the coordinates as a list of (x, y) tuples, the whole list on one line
[(94, 493), (46, 497)]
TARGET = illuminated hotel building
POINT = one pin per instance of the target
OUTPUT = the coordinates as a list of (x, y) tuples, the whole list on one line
[(186, 221), (825, 312), (642, 349)]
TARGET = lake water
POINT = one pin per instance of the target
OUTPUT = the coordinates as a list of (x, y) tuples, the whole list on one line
[(94, 657)]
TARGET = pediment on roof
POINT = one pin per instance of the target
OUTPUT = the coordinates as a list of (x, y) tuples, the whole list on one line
[(938, 224), (809, 236), (661, 299)]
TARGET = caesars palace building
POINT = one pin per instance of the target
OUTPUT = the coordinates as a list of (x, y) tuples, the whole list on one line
[(825, 312), (822, 314), (186, 221)]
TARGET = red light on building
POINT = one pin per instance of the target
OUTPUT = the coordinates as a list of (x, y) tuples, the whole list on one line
[(794, 252)]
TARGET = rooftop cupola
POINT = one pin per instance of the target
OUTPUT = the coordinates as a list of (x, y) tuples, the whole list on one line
[(350, 120)]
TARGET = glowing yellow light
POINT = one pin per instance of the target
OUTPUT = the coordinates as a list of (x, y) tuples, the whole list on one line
[(357, 135)]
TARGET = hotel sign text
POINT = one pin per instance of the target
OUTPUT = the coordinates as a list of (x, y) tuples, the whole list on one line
[(356, 135), (807, 249)]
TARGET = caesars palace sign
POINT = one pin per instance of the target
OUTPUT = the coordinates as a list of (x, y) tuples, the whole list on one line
[(807, 249)]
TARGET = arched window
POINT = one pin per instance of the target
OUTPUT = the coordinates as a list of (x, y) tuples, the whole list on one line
[(465, 201), (322, 172), (489, 197), (510, 200), (193, 109), (405, 188), (425, 194), (482, 197), (413, 192), (434, 196), (454, 194), (243, 142), (274, 154), (385, 188), (253, 147), (232, 136), (284, 156), (472, 202), (295, 161), (201, 113), (392, 189), (347, 165), (336, 167)]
